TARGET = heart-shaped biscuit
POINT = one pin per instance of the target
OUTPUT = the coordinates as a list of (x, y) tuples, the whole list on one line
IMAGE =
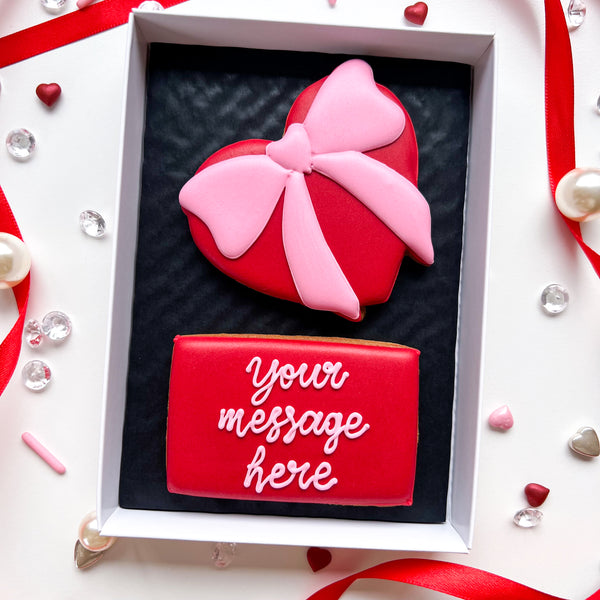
[(585, 442), (335, 242)]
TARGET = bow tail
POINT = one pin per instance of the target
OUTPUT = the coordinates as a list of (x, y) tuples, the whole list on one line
[(386, 193), (318, 278)]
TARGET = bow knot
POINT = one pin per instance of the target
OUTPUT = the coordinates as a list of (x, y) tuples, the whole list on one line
[(293, 150)]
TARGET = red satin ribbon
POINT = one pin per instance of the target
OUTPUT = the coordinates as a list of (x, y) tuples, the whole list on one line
[(11, 346), (560, 135), (69, 28), (448, 578)]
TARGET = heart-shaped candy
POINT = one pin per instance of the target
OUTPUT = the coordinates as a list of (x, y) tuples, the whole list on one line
[(48, 93), (536, 494), (585, 442), (501, 418), (318, 558), (416, 13), (266, 214)]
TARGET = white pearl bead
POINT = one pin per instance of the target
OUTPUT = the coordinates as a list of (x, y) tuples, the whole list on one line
[(578, 194), (15, 261)]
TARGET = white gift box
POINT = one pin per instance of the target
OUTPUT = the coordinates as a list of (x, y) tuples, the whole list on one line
[(455, 534)]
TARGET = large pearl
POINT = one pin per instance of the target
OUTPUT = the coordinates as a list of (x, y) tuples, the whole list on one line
[(15, 260), (578, 194), (89, 535)]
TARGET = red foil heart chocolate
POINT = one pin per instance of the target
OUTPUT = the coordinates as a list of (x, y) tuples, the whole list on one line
[(416, 13), (318, 558), (536, 494), (48, 93), (325, 215)]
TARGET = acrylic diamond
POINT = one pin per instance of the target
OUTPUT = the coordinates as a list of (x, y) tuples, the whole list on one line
[(576, 12), (20, 144), (56, 326), (33, 334), (92, 223), (53, 5), (151, 5), (528, 517), (223, 553), (36, 375), (555, 298)]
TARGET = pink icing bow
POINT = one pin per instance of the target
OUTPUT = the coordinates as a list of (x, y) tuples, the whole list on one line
[(349, 115)]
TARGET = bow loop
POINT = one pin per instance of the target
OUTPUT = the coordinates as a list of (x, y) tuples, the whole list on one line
[(351, 113)]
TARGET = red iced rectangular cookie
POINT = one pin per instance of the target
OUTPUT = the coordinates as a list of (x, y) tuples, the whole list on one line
[(293, 419)]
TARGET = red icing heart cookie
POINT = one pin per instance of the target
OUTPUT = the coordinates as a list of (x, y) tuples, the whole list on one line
[(48, 93), (310, 239)]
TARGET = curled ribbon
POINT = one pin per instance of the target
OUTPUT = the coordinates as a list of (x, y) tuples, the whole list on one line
[(11, 345), (349, 115), (560, 135), (448, 578)]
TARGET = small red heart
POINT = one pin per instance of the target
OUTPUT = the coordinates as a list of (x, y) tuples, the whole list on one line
[(318, 558), (416, 13), (48, 93), (536, 494)]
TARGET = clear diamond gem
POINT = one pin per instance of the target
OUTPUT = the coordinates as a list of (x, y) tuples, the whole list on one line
[(576, 12), (151, 5), (36, 375), (34, 336), (53, 5), (56, 326), (528, 517), (555, 298), (222, 554), (92, 223), (20, 143)]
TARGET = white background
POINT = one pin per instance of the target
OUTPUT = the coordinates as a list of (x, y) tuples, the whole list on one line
[(546, 369)]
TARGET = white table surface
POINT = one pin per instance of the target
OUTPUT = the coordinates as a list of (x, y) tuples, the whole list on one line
[(545, 368)]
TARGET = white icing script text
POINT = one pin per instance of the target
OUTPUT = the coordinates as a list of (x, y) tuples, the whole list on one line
[(332, 425), (279, 470), (286, 375)]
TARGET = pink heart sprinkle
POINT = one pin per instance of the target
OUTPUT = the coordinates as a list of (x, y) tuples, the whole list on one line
[(501, 418)]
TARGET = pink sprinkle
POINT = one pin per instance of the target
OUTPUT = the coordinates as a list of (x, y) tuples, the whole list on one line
[(501, 418), (83, 3), (332, 3), (43, 453)]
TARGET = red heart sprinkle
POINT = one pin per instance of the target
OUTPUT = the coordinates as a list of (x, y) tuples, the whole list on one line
[(48, 93), (318, 558), (416, 13), (536, 494)]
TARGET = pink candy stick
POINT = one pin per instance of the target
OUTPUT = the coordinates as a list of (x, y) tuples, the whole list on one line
[(83, 3), (43, 453)]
